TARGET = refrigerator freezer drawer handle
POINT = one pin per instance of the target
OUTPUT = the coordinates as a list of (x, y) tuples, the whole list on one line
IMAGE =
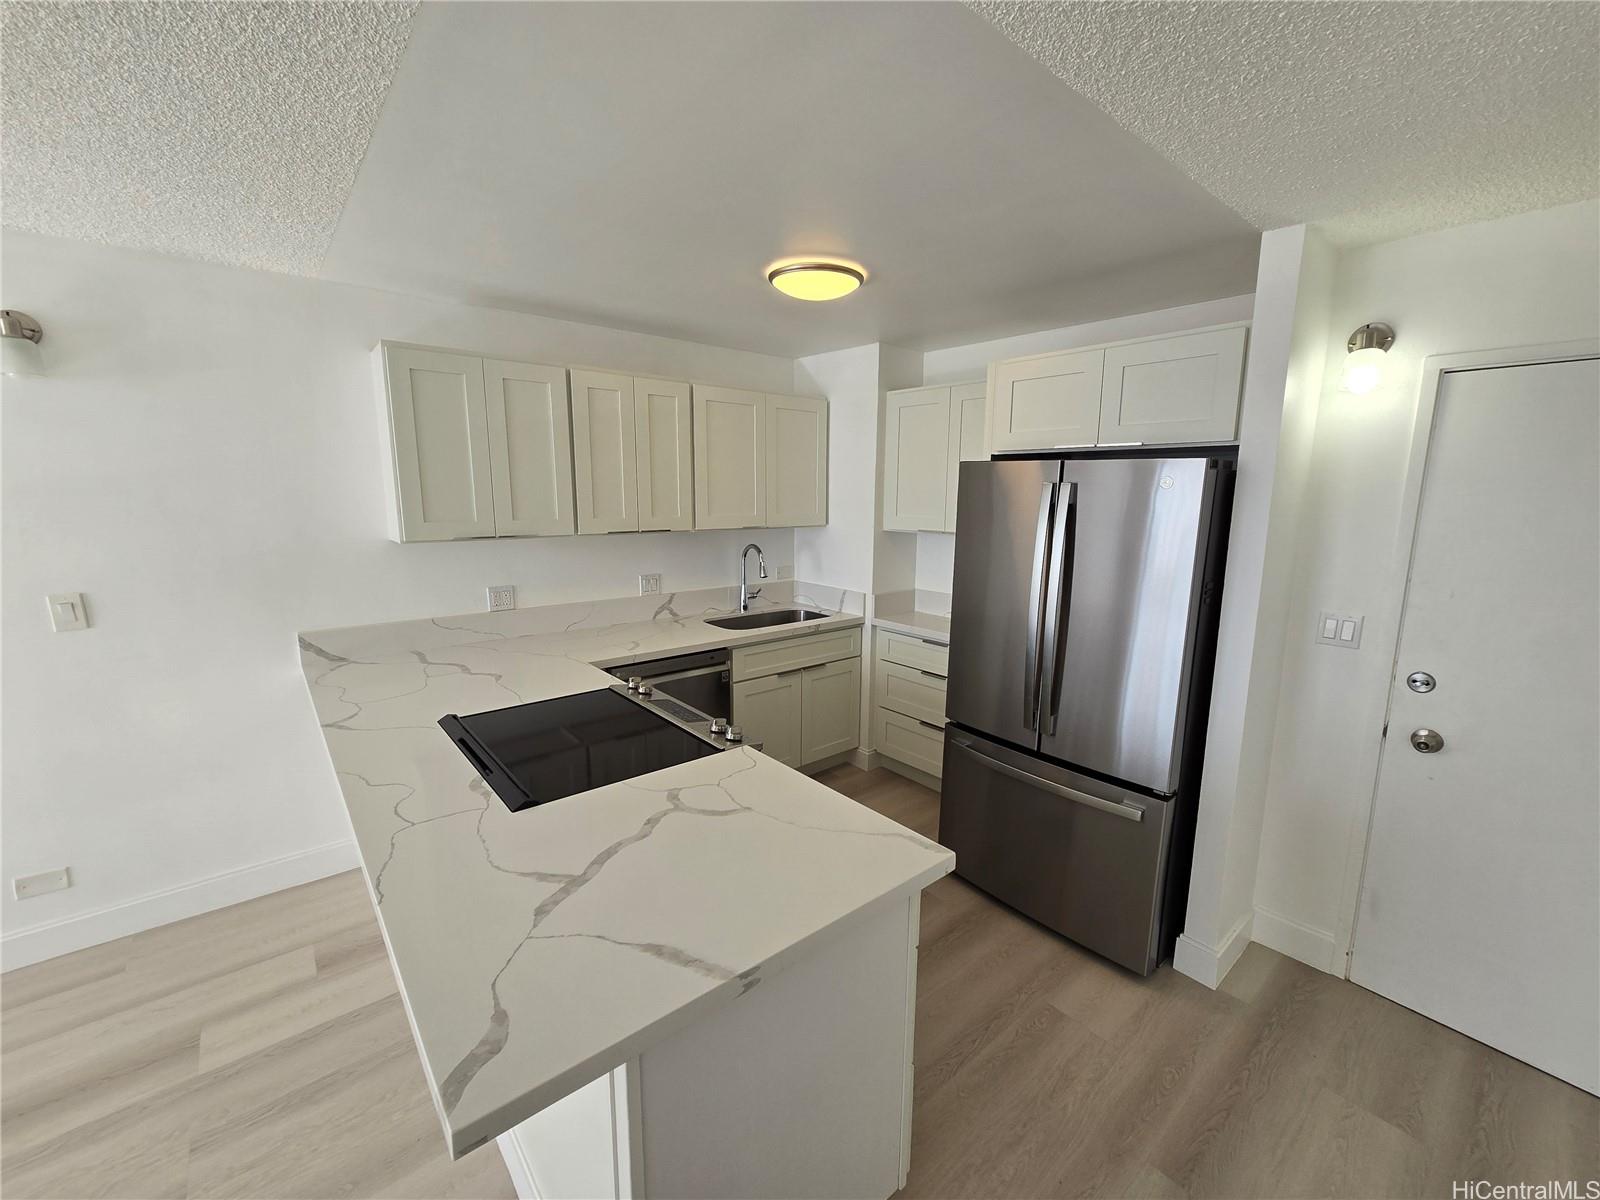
[(1041, 545), (1126, 811)]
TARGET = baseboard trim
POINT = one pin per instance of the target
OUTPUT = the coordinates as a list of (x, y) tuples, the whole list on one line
[(1315, 947), (517, 1166), (24, 947), (865, 760), (1210, 964)]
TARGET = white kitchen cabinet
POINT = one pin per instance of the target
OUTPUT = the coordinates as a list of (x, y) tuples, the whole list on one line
[(664, 441), (632, 449), (604, 452), (730, 458), (797, 461), (830, 704), (968, 413), (928, 433), (1178, 389), (437, 461), (770, 711), (530, 447), (1049, 402), (916, 458)]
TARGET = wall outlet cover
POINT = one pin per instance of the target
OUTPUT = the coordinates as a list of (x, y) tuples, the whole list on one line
[(785, 571), (25, 887), (649, 585), (501, 597)]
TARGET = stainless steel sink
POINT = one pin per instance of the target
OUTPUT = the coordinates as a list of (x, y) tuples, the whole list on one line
[(760, 620)]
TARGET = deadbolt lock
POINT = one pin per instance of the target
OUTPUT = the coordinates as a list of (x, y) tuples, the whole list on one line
[(1421, 681), (1426, 741)]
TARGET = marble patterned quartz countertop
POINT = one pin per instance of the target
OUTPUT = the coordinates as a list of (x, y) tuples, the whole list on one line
[(921, 614), (537, 950)]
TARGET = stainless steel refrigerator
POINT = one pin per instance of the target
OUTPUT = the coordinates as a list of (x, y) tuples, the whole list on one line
[(1083, 628)]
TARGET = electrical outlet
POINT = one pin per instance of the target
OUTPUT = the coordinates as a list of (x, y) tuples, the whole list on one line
[(25, 887), (502, 597), (649, 585), (785, 571)]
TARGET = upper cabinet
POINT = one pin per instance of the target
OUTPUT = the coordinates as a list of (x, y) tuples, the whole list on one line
[(1157, 391), (1047, 403), (1180, 389), (530, 447), (797, 461), (928, 433), (482, 447), (631, 447), (759, 459), (730, 458), (438, 462)]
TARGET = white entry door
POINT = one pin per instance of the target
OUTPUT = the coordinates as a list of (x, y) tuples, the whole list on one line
[(1480, 902)]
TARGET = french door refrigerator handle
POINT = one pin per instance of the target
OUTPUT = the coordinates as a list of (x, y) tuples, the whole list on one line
[(1063, 547), (1126, 811), (1041, 563)]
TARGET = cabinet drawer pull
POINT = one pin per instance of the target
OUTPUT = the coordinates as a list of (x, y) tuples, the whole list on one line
[(929, 725), (929, 674)]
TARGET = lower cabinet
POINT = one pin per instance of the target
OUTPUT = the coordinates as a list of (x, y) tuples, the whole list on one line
[(809, 711), (769, 711), (909, 688), (909, 740)]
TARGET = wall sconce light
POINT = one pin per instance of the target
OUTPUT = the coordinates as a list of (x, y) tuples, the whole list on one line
[(1363, 370), (20, 336)]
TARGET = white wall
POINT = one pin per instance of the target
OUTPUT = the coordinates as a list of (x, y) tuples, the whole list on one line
[(203, 462), (970, 363), (1523, 280), (1277, 417), (839, 554)]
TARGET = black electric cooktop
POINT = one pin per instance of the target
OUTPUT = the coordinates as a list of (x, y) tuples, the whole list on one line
[(534, 753)]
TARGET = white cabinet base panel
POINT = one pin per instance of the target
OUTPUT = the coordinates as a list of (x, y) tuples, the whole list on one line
[(800, 1088)]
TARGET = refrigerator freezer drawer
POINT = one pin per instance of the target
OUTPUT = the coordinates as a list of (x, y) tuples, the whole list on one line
[(1082, 857)]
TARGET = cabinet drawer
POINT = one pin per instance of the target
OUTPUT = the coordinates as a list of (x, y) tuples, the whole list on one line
[(913, 652), (908, 691), (916, 743), (752, 661)]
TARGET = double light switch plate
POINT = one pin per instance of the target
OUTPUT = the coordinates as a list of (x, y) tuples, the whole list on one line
[(1336, 630)]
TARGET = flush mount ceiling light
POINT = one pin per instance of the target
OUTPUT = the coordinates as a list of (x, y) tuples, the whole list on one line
[(20, 336), (815, 278), (1363, 370)]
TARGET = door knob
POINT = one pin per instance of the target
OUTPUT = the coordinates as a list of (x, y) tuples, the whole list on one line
[(1426, 741)]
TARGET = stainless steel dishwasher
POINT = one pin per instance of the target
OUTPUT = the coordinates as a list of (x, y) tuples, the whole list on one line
[(699, 680)]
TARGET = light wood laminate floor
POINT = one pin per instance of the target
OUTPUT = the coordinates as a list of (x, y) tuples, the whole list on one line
[(262, 1051)]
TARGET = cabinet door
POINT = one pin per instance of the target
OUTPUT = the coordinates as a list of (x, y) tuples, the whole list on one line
[(797, 461), (439, 440), (917, 427), (530, 447), (968, 410), (769, 711), (730, 458), (665, 449), (1180, 389), (604, 452), (830, 719), (1047, 403)]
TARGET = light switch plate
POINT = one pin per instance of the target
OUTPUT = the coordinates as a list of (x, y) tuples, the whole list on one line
[(67, 612), (501, 597), (1339, 629), (25, 887), (649, 585)]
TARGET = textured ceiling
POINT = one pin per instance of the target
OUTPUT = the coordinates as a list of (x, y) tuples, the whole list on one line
[(1374, 120), (228, 132)]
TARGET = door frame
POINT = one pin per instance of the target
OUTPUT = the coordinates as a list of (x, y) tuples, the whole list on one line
[(1435, 368)]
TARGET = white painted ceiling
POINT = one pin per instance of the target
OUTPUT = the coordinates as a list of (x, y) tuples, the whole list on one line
[(1375, 120), (639, 165)]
